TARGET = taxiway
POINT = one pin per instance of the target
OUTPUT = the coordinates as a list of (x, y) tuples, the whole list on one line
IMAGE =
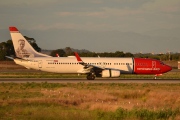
[(77, 80)]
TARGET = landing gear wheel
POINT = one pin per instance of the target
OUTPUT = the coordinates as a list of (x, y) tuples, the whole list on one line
[(90, 77)]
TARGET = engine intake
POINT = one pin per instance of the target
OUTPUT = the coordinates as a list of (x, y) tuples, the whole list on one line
[(110, 73)]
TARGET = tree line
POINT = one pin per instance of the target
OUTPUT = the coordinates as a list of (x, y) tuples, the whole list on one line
[(7, 49), (69, 52), (163, 57)]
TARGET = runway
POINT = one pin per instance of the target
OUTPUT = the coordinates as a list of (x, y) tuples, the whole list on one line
[(77, 80)]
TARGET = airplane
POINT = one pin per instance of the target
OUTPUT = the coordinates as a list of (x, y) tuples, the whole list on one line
[(91, 66)]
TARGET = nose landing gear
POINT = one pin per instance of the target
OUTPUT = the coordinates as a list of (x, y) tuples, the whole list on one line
[(155, 77)]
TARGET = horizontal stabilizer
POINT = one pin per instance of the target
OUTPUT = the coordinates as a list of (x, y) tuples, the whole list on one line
[(12, 58)]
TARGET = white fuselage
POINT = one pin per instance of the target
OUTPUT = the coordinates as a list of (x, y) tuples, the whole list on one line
[(70, 64)]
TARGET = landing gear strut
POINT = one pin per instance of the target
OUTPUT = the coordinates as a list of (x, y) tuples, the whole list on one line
[(155, 77), (90, 76)]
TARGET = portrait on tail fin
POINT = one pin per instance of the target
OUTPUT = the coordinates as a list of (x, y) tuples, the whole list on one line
[(22, 47), (21, 52)]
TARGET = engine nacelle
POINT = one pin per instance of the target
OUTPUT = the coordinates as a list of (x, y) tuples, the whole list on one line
[(110, 73)]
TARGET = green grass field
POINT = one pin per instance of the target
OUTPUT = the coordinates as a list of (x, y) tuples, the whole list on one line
[(89, 101)]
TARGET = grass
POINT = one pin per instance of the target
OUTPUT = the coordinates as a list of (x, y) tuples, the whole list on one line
[(89, 101), (46, 112), (36, 74)]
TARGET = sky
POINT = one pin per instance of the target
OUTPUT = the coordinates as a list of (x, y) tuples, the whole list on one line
[(96, 25)]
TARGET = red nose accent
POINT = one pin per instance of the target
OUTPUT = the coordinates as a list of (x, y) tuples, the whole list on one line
[(169, 68)]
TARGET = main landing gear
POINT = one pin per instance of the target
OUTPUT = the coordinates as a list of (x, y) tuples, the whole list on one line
[(90, 76)]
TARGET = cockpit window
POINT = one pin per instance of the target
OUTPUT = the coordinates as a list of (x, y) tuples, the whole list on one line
[(161, 63)]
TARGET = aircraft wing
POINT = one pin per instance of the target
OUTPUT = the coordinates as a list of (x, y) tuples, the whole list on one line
[(88, 68)]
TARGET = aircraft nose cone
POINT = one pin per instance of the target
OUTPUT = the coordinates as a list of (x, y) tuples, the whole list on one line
[(168, 68)]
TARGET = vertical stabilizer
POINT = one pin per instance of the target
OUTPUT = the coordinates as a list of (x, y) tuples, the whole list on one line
[(22, 47)]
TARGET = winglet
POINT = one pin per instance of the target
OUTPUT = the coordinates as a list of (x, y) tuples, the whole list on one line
[(57, 55), (78, 57)]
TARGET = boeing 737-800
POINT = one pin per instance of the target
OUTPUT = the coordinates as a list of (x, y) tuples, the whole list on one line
[(92, 66)]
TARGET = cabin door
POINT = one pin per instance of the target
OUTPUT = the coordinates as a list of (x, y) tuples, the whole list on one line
[(153, 66), (40, 63)]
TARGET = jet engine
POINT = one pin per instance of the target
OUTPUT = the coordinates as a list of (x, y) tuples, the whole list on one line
[(110, 73)]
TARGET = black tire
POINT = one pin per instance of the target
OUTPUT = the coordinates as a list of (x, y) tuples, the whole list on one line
[(90, 77)]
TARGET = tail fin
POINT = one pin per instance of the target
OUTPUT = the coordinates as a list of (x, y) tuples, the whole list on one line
[(22, 47)]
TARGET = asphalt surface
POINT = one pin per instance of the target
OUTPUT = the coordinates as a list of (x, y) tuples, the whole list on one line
[(77, 80)]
